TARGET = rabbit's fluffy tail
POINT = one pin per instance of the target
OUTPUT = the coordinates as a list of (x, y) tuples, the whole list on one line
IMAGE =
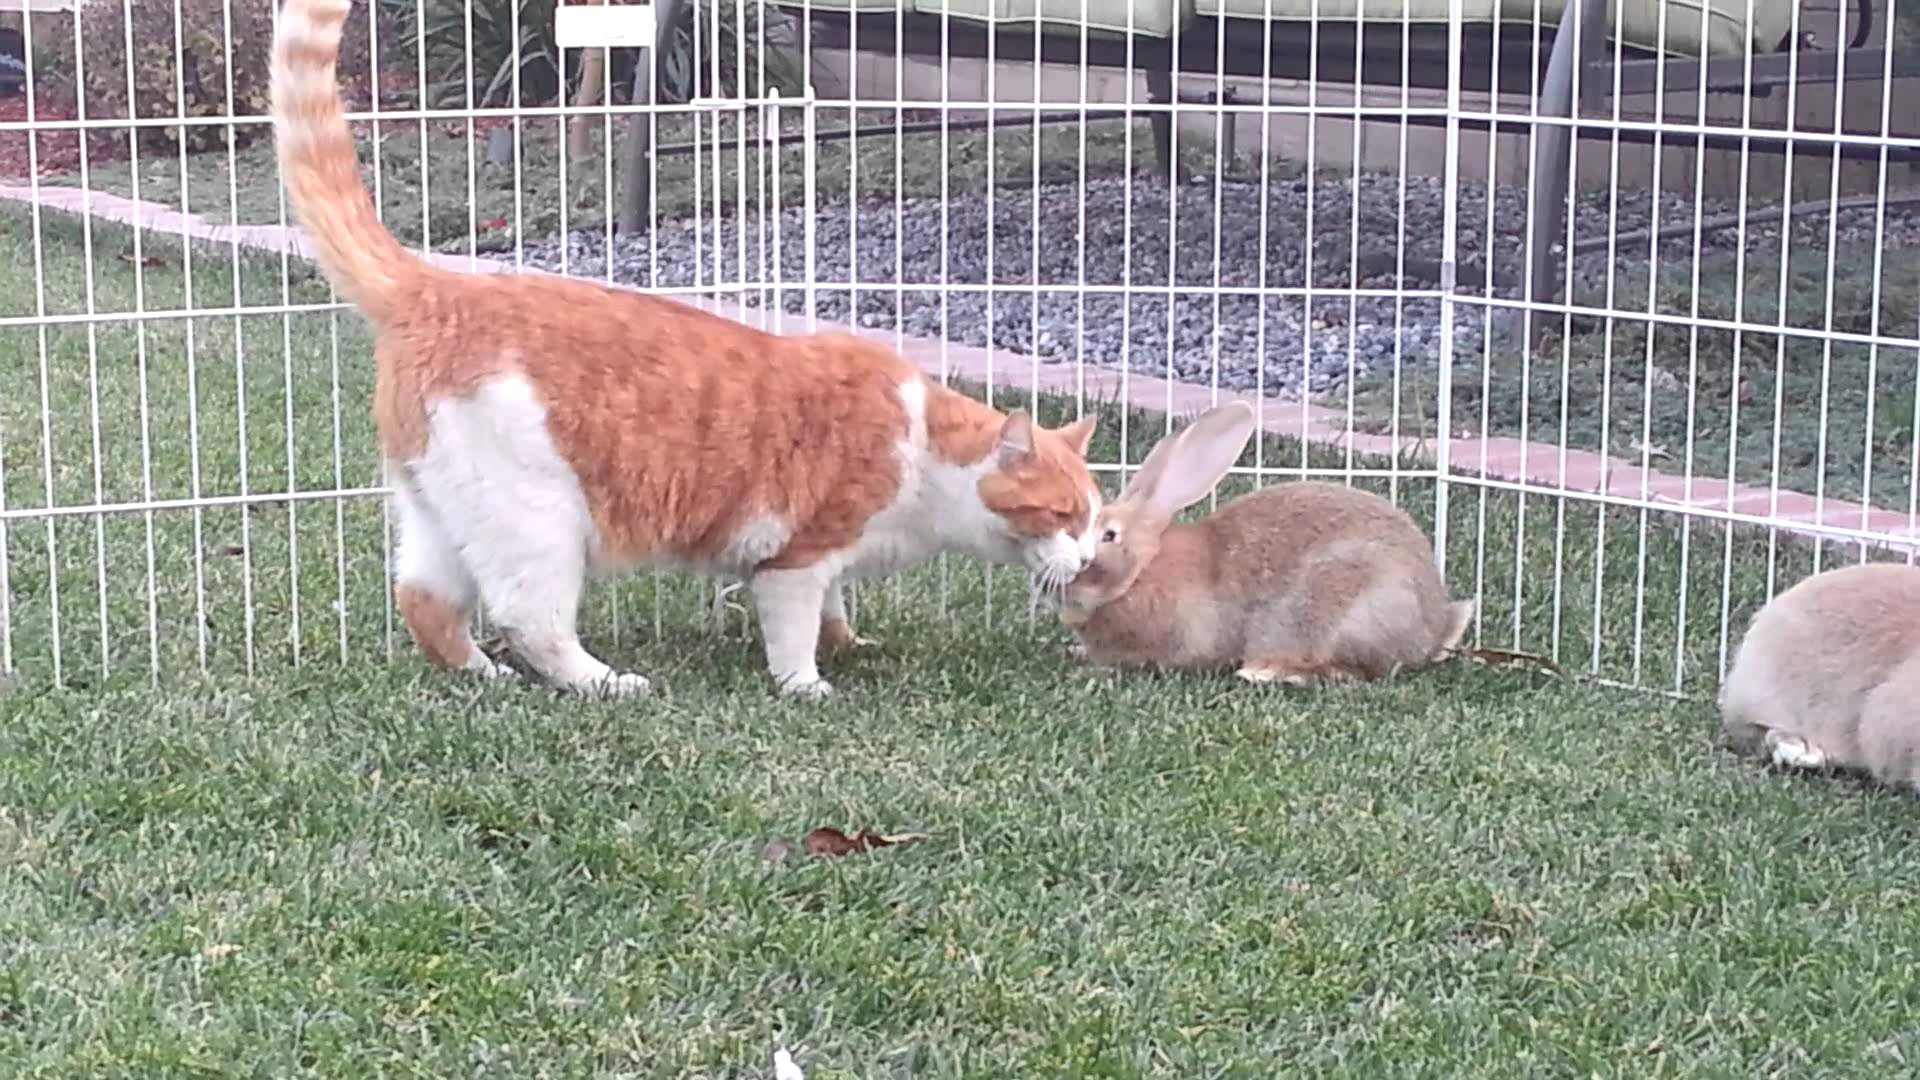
[(1462, 617)]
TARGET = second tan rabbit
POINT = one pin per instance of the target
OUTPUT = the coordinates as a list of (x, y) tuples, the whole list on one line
[(1828, 675), (1298, 583)]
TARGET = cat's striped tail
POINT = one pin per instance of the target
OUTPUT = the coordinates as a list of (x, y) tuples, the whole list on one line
[(321, 168)]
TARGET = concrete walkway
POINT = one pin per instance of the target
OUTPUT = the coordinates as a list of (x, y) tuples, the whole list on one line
[(1541, 467)]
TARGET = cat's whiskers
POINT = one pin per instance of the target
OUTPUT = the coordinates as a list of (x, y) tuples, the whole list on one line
[(1049, 585)]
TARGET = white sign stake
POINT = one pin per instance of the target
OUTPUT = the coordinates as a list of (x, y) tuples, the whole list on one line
[(608, 26)]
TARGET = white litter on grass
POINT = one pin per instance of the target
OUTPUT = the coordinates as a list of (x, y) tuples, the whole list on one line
[(784, 1067)]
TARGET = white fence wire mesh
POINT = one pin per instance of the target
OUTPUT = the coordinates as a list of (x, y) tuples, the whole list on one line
[(1629, 414)]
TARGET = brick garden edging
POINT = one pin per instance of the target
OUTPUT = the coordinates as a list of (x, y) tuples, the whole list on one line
[(1539, 465)]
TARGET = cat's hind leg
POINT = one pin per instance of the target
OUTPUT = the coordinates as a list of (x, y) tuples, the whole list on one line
[(539, 616), (516, 510), (433, 591), (531, 571)]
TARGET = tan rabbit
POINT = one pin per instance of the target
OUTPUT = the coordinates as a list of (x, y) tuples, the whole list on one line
[(1299, 583), (1828, 675)]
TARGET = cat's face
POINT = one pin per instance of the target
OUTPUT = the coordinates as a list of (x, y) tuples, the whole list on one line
[(1045, 498)]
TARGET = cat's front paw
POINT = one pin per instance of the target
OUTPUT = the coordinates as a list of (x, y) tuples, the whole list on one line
[(617, 686), (814, 689)]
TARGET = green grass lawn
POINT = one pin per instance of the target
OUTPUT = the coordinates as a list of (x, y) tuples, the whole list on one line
[(345, 864)]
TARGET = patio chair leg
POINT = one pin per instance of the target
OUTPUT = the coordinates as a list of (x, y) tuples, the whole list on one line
[(1582, 29), (1166, 157)]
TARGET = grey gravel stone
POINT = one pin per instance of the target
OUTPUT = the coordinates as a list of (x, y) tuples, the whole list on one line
[(1118, 272)]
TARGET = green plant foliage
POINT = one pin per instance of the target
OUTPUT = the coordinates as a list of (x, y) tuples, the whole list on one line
[(477, 46), (724, 48), (477, 52)]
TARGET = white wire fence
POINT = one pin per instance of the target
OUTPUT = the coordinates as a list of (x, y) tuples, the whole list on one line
[(1629, 414)]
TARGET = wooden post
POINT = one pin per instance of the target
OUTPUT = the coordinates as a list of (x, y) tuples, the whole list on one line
[(1166, 152), (636, 189), (593, 73)]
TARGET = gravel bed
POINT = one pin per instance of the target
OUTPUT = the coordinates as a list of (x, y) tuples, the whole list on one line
[(1082, 245)]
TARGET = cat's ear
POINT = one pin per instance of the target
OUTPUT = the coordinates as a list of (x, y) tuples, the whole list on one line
[(1015, 443), (1079, 434)]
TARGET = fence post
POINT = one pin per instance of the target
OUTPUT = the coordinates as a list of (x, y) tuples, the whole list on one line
[(636, 188), (1573, 43), (593, 76), (1449, 271)]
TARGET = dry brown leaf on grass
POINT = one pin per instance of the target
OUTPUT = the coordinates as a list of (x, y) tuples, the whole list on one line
[(830, 843)]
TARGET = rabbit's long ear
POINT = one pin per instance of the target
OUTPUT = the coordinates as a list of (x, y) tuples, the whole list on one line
[(1197, 457), (1140, 489)]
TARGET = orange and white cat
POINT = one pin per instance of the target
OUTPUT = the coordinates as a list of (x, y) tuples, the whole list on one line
[(537, 429)]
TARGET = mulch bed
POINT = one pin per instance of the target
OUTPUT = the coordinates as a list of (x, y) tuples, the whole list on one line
[(58, 151)]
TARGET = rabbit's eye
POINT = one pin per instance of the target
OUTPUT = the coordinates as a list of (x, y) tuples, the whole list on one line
[(1110, 536)]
